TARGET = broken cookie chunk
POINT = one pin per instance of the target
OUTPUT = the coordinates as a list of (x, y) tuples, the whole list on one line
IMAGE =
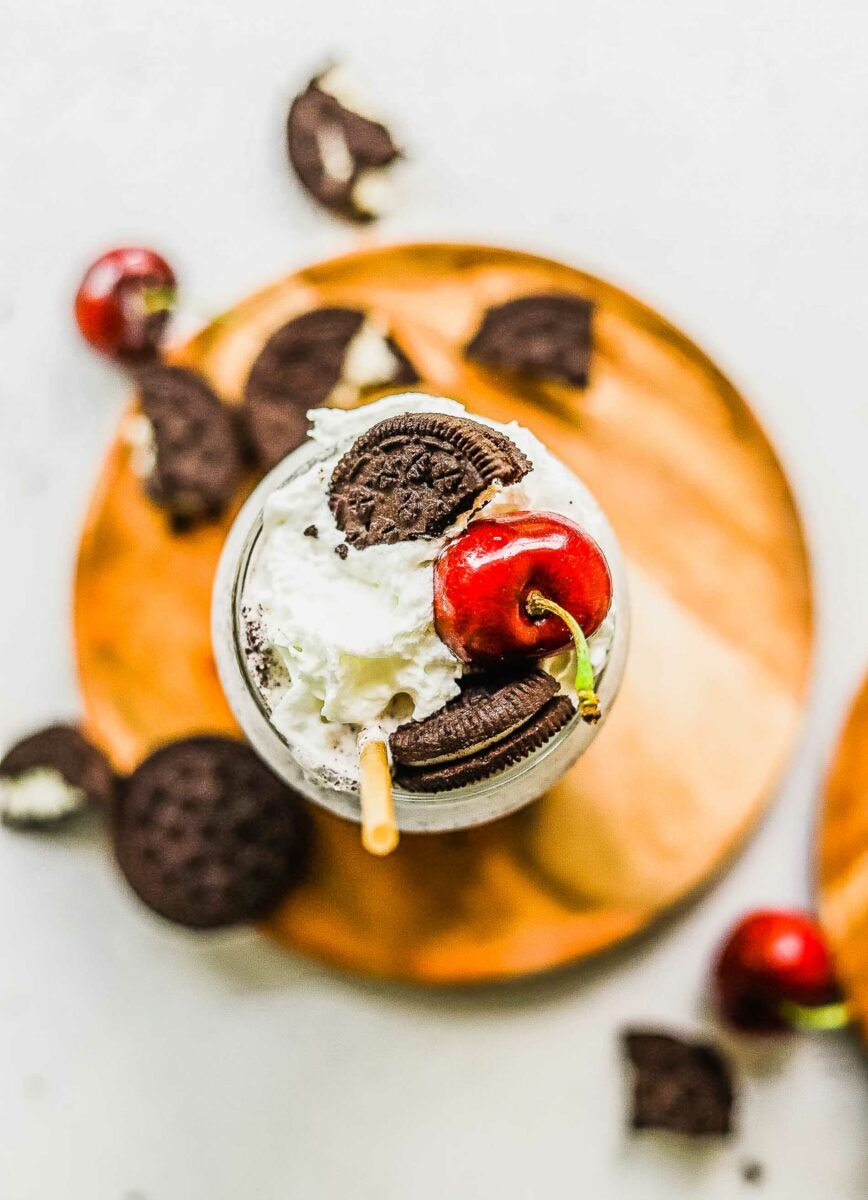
[(185, 445), (50, 776), (548, 336), (679, 1086), (338, 148), (328, 355)]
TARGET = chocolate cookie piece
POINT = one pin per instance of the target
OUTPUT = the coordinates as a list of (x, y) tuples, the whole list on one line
[(679, 1086), (51, 775), (515, 746), (301, 365), (488, 710), (196, 462), (338, 153), (207, 836), (545, 335), (411, 475)]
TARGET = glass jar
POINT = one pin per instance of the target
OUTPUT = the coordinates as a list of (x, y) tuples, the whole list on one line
[(473, 804)]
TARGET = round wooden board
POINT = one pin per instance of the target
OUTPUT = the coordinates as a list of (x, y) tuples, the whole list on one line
[(721, 644), (844, 858)]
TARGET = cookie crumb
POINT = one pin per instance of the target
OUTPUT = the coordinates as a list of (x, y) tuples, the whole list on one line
[(311, 531), (752, 1171), (342, 550), (260, 655)]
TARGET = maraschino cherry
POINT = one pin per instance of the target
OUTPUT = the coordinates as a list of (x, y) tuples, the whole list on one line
[(519, 587), (774, 972), (124, 301)]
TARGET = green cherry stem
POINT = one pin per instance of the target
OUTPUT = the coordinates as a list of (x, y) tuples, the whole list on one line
[(158, 299), (819, 1019), (538, 605)]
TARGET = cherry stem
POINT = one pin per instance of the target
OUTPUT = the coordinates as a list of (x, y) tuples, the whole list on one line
[(538, 605), (820, 1018), (158, 299)]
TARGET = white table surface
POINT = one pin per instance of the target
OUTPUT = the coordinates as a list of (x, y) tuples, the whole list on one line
[(710, 157)]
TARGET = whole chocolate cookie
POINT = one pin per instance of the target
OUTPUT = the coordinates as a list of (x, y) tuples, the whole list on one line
[(207, 836), (503, 753), (336, 151), (50, 775), (197, 460), (548, 335), (487, 711), (679, 1086), (411, 475), (300, 367)]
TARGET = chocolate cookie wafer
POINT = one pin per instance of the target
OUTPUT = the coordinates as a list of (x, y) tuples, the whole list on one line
[(207, 836), (487, 711), (195, 462), (546, 335), (679, 1086), (339, 153), (51, 775), (516, 745), (329, 353), (411, 475)]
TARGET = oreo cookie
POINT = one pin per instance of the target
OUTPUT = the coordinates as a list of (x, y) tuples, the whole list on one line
[(339, 153), (679, 1086), (488, 710), (329, 353), (412, 475), (52, 775), (196, 462), (207, 837), (509, 749), (549, 336)]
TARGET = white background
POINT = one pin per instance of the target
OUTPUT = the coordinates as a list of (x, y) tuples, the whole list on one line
[(710, 157)]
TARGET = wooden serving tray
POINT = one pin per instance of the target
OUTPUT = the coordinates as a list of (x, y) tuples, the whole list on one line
[(844, 858), (721, 644)]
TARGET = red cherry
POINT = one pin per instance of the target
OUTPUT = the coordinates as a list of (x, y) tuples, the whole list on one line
[(519, 587), (123, 303), (773, 959)]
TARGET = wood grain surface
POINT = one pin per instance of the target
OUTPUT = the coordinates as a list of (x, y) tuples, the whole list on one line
[(722, 616), (844, 858)]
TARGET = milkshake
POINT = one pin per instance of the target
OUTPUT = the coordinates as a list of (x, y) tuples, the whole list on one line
[(398, 579)]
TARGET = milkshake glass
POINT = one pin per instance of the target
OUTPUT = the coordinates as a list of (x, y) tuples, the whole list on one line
[(472, 804)]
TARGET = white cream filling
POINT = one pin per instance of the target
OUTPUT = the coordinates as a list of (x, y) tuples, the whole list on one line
[(374, 191), (41, 794), (368, 363), (338, 82), (466, 751), (334, 153), (138, 433), (356, 636)]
